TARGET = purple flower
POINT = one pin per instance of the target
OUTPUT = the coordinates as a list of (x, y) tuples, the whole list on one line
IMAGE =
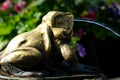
[(93, 9), (11, 14), (115, 9), (80, 50)]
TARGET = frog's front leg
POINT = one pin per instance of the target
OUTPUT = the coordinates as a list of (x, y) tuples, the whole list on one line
[(71, 58)]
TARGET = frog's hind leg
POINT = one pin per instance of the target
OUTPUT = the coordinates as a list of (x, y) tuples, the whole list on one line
[(12, 70)]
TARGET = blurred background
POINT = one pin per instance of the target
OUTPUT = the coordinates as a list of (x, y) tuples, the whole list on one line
[(93, 44)]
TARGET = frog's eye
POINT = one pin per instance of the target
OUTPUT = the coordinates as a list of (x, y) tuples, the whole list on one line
[(58, 21)]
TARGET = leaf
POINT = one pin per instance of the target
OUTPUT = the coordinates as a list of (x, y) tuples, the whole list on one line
[(1, 20), (73, 42), (37, 15), (36, 3), (19, 1), (78, 1), (16, 18), (5, 29)]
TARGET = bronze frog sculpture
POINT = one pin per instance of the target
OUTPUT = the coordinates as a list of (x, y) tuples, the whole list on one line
[(43, 48)]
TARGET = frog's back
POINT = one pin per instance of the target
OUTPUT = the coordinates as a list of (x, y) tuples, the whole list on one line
[(18, 41), (14, 43)]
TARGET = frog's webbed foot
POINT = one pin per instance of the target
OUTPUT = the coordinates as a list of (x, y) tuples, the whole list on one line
[(12, 70)]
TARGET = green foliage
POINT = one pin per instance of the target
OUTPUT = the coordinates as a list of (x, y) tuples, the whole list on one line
[(13, 23), (73, 42)]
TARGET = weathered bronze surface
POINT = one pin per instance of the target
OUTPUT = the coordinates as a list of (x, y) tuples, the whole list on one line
[(43, 51)]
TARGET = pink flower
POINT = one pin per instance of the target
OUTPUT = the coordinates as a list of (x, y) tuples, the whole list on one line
[(23, 4), (79, 32), (90, 16), (6, 5), (18, 7)]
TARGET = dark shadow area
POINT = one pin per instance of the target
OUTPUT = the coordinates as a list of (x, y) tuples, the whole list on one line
[(102, 54)]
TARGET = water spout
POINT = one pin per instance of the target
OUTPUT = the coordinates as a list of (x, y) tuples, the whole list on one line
[(99, 24)]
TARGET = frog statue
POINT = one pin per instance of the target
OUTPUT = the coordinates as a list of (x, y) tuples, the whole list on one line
[(41, 51)]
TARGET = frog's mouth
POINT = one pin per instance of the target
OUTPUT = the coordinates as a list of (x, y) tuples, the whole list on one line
[(61, 33)]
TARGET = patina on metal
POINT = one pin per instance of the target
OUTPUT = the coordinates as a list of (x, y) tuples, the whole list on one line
[(44, 51)]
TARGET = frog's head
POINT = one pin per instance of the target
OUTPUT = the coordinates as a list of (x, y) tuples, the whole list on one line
[(60, 22)]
